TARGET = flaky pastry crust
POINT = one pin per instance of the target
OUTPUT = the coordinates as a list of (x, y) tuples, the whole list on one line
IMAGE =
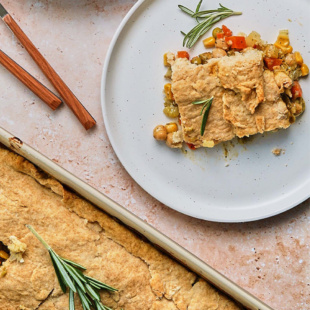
[(145, 277)]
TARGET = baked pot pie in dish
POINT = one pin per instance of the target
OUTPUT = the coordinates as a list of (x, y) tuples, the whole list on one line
[(144, 276)]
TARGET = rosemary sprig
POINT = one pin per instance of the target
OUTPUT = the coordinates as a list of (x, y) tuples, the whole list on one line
[(205, 19), (205, 110), (70, 275)]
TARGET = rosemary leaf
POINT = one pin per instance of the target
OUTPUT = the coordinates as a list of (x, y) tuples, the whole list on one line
[(62, 271), (75, 277), (203, 101), (94, 285), (87, 299), (78, 273), (197, 9), (61, 281), (71, 300), (205, 116), (205, 111), (207, 13), (186, 10), (92, 293), (84, 300), (202, 30), (222, 7), (97, 305), (207, 103), (200, 101), (101, 284), (73, 263), (102, 307), (198, 6)]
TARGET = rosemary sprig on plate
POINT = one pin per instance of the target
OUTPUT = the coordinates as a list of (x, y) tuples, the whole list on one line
[(205, 20), (205, 111), (70, 275)]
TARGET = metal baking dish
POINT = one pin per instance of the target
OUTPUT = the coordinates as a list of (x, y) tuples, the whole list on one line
[(129, 219)]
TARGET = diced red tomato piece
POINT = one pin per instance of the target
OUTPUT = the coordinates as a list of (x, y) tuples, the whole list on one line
[(191, 146), (220, 35), (272, 62), (227, 31), (237, 42), (296, 90), (183, 54)]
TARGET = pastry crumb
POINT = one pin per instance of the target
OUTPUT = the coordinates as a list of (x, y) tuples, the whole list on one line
[(277, 151), (17, 249)]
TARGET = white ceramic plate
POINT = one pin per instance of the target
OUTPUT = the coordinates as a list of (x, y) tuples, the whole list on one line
[(251, 183)]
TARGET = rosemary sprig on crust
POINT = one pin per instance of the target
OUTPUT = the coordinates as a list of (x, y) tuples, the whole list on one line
[(205, 20), (70, 275), (205, 110)]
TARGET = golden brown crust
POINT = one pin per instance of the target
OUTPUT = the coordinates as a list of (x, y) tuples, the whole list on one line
[(243, 73), (192, 83), (246, 98), (146, 278), (270, 115)]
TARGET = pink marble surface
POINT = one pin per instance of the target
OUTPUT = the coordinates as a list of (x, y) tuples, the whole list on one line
[(269, 258)]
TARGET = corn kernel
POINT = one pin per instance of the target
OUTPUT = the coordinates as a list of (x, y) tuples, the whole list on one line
[(289, 49), (171, 127), (209, 42), (168, 92), (283, 33), (304, 69), (278, 45), (283, 42), (166, 64), (4, 255), (298, 58), (285, 50), (207, 143)]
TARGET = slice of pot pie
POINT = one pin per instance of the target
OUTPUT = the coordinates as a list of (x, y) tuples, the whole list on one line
[(232, 91), (191, 83), (145, 277)]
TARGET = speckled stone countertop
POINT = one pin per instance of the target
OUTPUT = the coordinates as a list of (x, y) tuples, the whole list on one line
[(269, 258)]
